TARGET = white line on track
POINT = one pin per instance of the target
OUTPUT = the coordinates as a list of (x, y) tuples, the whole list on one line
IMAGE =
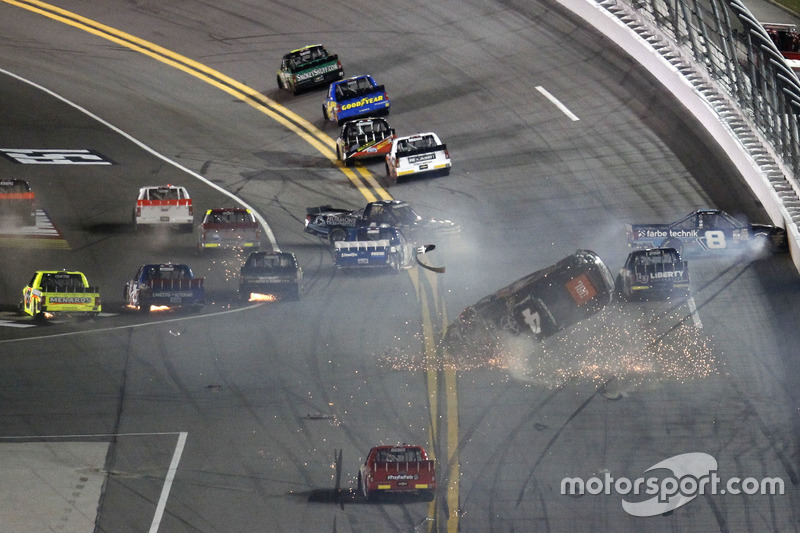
[(168, 480), (132, 326), (557, 103), (173, 467), (695, 315)]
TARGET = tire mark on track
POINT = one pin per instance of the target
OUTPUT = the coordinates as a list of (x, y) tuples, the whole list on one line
[(557, 435)]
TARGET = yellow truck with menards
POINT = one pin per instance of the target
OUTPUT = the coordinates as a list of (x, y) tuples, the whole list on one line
[(59, 292)]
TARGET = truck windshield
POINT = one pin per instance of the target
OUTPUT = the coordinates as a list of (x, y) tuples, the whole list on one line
[(53, 282)]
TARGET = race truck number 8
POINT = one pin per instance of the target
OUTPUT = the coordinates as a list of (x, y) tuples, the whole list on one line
[(715, 239)]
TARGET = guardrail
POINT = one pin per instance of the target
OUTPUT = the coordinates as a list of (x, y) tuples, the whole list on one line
[(718, 60)]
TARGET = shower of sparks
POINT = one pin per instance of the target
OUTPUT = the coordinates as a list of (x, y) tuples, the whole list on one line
[(256, 297), (636, 345)]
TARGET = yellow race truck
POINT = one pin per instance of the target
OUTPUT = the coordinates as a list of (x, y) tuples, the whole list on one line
[(52, 292)]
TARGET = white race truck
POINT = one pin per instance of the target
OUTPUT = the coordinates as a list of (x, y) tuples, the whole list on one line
[(164, 205)]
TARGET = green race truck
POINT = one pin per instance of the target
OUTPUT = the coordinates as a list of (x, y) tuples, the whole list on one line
[(308, 67)]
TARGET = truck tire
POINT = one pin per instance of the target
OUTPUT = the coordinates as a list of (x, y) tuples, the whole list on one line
[(325, 112), (278, 78)]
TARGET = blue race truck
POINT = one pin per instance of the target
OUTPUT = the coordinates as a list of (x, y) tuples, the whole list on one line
[(371, 247), (358, 96), (165, 285)]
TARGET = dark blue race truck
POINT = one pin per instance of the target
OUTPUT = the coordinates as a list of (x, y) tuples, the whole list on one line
[(166, 285), (708, 231), (656, 272), (373, 247)]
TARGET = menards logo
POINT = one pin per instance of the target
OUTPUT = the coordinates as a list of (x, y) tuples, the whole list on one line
[(314, 72)]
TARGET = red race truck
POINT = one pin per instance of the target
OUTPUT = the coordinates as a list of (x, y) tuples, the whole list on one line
[(399, 469)]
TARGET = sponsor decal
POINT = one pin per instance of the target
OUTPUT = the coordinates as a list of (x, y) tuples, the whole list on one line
[(170, 294), (401, 477), (423, 157), (337, 220), (690, 475), (581, 289), (363, 102), (667, 275), (314, 72), (70, 300), (683, 233), (24, 156)]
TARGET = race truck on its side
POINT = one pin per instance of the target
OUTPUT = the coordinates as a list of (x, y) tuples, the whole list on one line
[(423, 153), (332, 224), (708, 230), (358, 96), (232, 228), (17, 203), (656, 271), (59, 292), (787, 40), (363, 139), (270, 274), (164, 205), (165, 285), (399, 469), (373, 247), (538, 305), (308, 67)]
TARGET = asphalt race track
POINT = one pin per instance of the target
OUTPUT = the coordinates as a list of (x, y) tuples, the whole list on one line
[(232, 419)]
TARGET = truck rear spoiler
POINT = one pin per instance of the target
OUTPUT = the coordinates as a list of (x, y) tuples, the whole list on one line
[(176, 284), (404, 466), (363, 245)]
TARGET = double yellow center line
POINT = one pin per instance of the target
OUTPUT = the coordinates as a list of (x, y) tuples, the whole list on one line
[(361, 178)]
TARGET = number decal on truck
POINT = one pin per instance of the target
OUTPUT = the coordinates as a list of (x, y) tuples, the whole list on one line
[(533, 320), (715, 240)]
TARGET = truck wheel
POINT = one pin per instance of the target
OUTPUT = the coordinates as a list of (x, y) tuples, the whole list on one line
[(278, 78), (325, 112), (144, 307), (760, 246), (337, 234)]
